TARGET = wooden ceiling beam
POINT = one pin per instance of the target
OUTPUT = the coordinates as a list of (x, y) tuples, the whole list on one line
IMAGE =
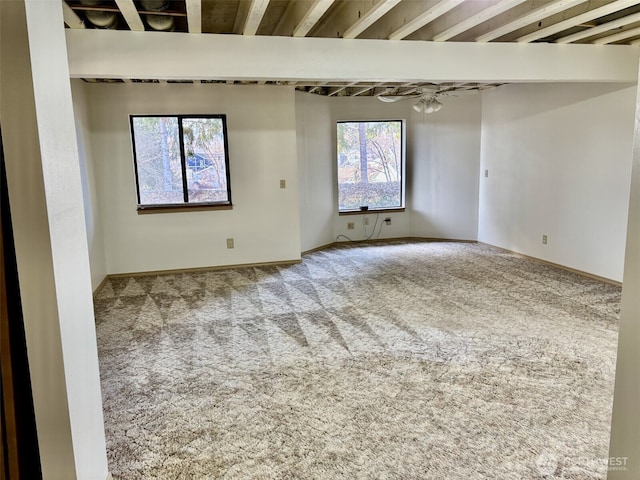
[(605, 27), (71, 18), (529, 18), (578, 20), (313, 16), (131, 16), (477, 19), (616, 37), (254, 17), (366, 89), (194, 16), (107, 54), (340, 89), (423, 19), (369, 18)]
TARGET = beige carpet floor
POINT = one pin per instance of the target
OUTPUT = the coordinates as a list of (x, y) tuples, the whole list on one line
[(385, 361)]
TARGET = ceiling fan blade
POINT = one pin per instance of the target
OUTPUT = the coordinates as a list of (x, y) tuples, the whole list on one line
[(458, 93), (389, 98), (395, 98)]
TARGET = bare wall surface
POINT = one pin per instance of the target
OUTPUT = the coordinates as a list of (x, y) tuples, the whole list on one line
[(264, 221), (315, 170), (558, 159), (93, 217), (624, 448), (51, 244), (445, 167), (442, 165)]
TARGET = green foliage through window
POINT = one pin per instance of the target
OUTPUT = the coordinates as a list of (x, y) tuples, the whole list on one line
[(181, 160), (370, 164)]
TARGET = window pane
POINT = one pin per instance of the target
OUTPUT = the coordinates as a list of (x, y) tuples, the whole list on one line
[(158, 160), (369, 165), (205, 160)]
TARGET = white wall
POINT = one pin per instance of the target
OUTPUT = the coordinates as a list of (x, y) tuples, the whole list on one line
[(315, 170), (369, 108), (264, 220), (51, 245), (625, 425), (559, 162), (445, 167), (92, 216), (441, 168)]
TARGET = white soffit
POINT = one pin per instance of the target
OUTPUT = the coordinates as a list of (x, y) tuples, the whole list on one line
[(180, 56)]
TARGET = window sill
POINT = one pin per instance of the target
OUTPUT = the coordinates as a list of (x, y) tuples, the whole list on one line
[(378, 210), (146, 209)]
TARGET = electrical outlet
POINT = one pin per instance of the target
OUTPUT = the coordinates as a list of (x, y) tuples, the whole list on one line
[(387, 220), (366, 220), (544, 239), (283, 184), (486, 173), (229, 242), (351, 225)]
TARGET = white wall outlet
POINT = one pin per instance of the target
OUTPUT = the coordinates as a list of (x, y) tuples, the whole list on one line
[(486, 173), (283, 184), (387, 220), (544, 239), (366, 220), (351, 225), (229, 242)]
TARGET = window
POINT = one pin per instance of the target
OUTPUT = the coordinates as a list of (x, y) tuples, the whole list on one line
[(181, 161), (370, 165)]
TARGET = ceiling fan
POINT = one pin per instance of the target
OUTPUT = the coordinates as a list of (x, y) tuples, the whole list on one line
[(428, 96)]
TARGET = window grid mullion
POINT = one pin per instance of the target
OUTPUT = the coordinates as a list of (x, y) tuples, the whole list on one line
[(183, 161)]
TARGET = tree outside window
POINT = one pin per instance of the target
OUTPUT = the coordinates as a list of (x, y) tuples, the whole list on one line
[(370, 165), (181, 160)]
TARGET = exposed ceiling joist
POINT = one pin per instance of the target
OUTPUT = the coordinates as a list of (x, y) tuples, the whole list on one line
[(369, 18), (71, 18), (605, 27), (529, 18), (365, 89), (254, 17), (131, 16), (420, 21), (313, 15), (579, 19), (194, 16), (616, 37), (477, 19), (340, 89)]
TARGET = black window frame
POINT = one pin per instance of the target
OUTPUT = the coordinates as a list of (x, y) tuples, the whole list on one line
[(403, 147), (186, 205)]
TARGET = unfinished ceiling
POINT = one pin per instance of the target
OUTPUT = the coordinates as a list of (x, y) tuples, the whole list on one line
[(521, 21)]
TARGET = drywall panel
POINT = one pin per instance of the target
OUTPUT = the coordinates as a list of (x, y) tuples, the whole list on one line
[(442, 166), (558, 159), (624, 450), (92, 216), (370, 108), (445, 168), (97, 53), (264, 221), (51, 244), (315, 170)]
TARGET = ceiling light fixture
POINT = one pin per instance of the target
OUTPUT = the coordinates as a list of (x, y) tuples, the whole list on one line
[(427, 106)]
